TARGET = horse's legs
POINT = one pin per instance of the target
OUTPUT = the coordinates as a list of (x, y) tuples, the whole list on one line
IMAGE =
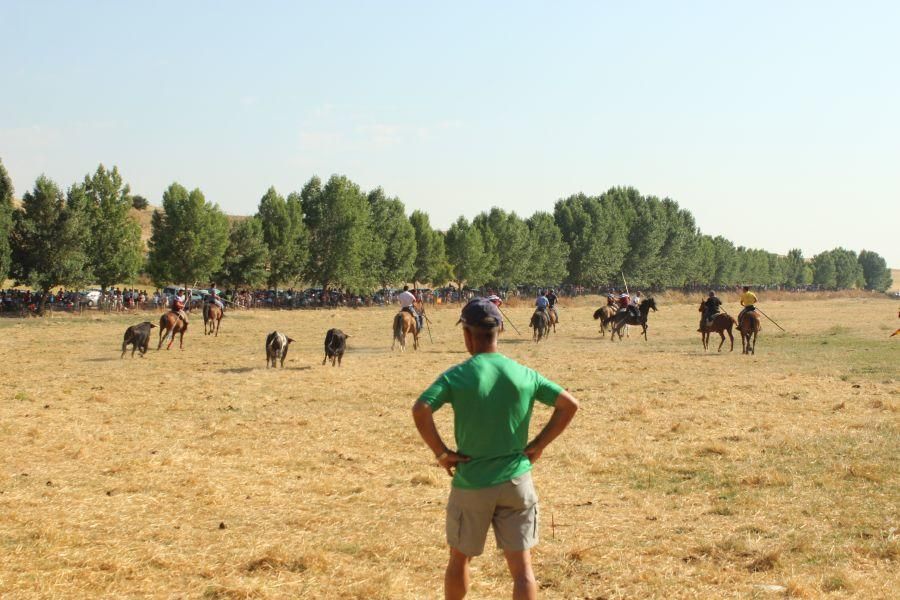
[(722, 335), (161, 329), (731, 337), (753, 348)]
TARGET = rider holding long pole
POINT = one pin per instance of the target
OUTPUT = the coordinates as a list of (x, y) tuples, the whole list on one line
[(748, 301)]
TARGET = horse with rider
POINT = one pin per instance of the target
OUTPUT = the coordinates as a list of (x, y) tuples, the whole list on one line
[(409, 319)]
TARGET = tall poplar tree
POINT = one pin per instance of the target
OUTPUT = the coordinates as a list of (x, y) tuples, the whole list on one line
[(189, 238), (114, 246), (339, 230), (48, 236), (6, 216), (393, 240)]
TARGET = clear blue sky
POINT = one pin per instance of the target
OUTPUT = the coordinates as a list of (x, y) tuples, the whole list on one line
[(776, 123)]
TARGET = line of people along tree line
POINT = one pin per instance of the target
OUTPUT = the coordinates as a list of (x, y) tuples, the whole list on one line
[(336, 235)]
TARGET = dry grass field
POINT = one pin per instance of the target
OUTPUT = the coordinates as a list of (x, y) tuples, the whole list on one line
[(201, 474)]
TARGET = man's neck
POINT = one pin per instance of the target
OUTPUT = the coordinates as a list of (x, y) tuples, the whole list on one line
[(487, 349)]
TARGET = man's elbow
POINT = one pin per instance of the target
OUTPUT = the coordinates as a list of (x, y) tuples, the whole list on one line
[(420, 409)]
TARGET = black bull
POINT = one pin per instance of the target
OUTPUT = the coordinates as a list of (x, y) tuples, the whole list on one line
[(139, 338)]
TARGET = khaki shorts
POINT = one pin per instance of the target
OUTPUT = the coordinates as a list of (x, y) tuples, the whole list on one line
[(511, 507)]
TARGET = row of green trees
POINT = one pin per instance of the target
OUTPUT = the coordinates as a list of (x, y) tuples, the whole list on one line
[(337, 235)]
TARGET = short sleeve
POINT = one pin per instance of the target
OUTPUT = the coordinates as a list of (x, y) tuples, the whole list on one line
[(546, 391), (437, 394)]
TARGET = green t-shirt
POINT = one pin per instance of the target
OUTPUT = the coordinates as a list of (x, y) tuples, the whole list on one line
[(492, 398)]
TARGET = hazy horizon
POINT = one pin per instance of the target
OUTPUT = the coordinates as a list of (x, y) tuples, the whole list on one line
[(776, 126)]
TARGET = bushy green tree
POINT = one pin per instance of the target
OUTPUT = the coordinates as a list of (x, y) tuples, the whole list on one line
[(246, 256), (6, 212), (139, 202), (431, 255), (285, 235), (393, 240), (549, 252), (727, 267), (465, 253), (48, 238), (507, 251), (597, 235), (848, 273), (648, 231), (876, 273), (189, 238), (824, 273), (114, 246), (339, 228), (794, 269)]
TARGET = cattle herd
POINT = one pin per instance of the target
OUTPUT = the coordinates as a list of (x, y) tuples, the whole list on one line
[(277, 344)]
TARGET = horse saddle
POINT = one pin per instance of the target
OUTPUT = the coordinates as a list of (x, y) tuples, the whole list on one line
[(710, 318)]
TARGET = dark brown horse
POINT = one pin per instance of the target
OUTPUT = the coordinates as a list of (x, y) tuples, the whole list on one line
[(722, 323), (212, 319), (621, 319), (540, 323), (605, 314), (170, 324), (405, 323), (749, 327)]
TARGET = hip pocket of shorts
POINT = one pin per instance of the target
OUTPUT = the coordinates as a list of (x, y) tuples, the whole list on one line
[(524, 489)]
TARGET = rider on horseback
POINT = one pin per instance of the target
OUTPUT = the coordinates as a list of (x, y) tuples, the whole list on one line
[(709, 307), (407, 302), (626, 306), (748, 301), (542, 302), (178, 306), (214, 298), (552, 299)]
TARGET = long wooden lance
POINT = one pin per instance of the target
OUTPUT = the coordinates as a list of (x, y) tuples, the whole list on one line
[(770, 318), (626, 283), (510, 321)]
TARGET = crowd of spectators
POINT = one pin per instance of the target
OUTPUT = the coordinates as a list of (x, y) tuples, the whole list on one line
[(23, 302)]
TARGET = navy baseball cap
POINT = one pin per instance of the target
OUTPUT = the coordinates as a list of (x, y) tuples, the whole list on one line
[(481, 312)]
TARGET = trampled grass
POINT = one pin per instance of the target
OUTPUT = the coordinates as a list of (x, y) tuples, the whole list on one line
[(686, 474)]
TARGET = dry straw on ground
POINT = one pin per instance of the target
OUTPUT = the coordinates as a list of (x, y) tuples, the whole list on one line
[(201, 474)]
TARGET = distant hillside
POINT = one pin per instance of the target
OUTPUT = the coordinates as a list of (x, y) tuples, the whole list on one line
[(895, 275)]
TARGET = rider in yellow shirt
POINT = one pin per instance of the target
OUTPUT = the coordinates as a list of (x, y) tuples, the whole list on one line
[(748, 301)]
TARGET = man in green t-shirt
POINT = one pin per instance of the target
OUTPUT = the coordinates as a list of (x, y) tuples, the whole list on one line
[(492, 398)]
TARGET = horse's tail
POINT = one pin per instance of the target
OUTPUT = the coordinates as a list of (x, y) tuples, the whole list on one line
[(398, 327)]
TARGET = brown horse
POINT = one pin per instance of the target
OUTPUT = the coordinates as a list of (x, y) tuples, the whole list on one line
[(212, 319), (170, 324), (540, 323), (405, 323), (749, 327), (554, 319), (722, 323), (605, 314)]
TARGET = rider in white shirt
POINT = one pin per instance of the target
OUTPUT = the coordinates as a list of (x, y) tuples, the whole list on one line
[(407, 301)]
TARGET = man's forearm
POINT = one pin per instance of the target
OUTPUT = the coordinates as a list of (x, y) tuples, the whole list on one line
[(563, 413)]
